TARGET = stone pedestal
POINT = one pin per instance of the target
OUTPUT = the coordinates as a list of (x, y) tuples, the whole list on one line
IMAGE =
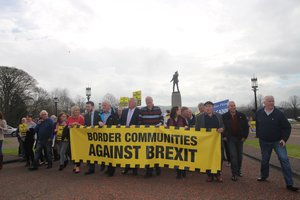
[(176, 99)]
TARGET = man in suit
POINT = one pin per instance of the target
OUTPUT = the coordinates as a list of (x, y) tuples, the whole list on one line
[(130, 116), (109, 117), (91, 118)]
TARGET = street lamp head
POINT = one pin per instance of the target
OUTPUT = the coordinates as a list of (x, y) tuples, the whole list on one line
[(55, 99), (254, 83), (88, 91)]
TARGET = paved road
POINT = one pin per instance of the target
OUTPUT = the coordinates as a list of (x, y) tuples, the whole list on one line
[(16, 182)]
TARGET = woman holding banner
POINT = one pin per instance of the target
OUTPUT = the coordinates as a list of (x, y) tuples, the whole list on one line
[(178, 121), (74, 120)]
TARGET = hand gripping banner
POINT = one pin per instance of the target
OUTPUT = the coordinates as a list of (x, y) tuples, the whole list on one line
[(148, 146)]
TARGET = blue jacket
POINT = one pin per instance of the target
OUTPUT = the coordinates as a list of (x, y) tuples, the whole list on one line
[(273, 127), (45, 130)]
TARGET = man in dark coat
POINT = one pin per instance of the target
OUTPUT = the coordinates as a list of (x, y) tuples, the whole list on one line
[(236, 130), (91, 118), (130, 116)]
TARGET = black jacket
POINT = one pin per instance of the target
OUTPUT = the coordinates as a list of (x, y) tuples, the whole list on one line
[(112, 119), (134, 119), (273, 127), (243, 126), (87, 119)]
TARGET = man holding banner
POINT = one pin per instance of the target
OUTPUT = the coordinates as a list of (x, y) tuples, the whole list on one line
[(130, 116), (151, 115), (91, 118), (210, 120)]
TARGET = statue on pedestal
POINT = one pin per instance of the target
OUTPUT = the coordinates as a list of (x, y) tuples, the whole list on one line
[(175, 81)]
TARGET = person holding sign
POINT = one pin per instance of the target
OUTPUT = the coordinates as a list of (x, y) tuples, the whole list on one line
[(130, 116), (108, 117), (91, 118), (151, 115), (74, 120), (62, 143), (209, 120), (178, 121)]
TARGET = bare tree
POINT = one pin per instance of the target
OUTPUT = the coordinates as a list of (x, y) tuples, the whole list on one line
[(64, 100), (41, 101), (112, 99), (16, 90), (80, 101), (294, 105)]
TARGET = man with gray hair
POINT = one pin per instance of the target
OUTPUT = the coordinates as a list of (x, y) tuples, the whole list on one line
[(273, 131), (44, 130)]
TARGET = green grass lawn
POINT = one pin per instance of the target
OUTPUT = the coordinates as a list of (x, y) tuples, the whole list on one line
[(11, 151), (292, 149)]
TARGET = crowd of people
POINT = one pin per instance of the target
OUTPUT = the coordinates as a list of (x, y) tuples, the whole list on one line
[(50, 136)]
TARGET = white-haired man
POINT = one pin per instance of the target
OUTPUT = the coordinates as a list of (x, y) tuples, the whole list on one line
[(273, 131), (44, 130)]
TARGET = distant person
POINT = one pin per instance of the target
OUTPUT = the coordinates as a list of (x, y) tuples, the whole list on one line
[(44, 130), (130, 116), (209, 120), (21, 134), (236, 130), (91, 118), (3, 127), (76, 119), (178, 121), (191, 118), (273, 131), (201, 108), (151, 115)]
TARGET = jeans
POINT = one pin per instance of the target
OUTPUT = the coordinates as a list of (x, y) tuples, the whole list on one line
[(266, 151), (236, 154), (63, 147), (38, 151)]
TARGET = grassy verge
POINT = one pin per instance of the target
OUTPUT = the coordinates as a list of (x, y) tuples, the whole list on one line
[(292, 149), (12, 151)]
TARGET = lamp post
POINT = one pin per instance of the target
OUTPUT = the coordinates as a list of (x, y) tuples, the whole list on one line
[(88, 92), (55, 102), (254, 88)]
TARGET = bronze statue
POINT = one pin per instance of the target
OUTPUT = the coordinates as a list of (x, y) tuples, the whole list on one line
[(175, 81)]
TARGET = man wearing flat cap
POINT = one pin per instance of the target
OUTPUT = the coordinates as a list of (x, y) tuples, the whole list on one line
[(209, 120)]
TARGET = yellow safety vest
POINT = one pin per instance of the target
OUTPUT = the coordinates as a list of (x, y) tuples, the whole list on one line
[(23, 129), (59, 132)]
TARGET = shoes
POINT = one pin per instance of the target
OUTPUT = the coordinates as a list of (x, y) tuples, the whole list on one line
[(89, 172), (77, 170), (219, 178), (228, 164), (240, 174), (184, 174), (179, 176), (234, 178), (292, 188), (65, 163), (49, 166), (33, 168), (110, 174), (61, 167), (125, 171), (261, 179), (210, 179)]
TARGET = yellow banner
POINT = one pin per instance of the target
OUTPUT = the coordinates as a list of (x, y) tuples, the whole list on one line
[(148, 146)]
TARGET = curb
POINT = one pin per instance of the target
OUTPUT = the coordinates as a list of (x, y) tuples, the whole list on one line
[(295, 174)]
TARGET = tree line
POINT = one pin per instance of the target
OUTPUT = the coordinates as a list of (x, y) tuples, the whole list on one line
[(20, 95)]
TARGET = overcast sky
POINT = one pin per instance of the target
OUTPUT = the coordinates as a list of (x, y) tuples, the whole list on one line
[(122, 46)]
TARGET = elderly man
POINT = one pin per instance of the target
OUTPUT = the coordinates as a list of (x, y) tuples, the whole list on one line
[(44, 130), (130, 116), (273, 131), (151, 115), (108, 117), (209, 120), (235, 132)]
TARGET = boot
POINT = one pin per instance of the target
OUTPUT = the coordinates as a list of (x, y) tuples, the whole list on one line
[(1, 161)]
